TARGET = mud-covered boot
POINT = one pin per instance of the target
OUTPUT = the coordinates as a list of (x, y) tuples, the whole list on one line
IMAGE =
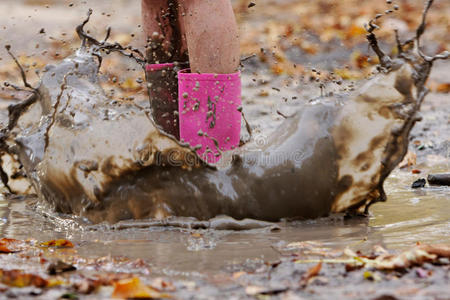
[(162, 85), (210, 112)]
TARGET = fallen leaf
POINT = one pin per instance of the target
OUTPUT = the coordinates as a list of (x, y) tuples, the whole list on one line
[(314, 271), (439, 250), (355, 31), (17, 278), (196, 235), (347, 74), (237, 275), (263, 93), (162, 285), (311, 273), (415, 256), (443, 88), (302, 245), (11, 245), (58, 244), (133, 288), (130, 84)]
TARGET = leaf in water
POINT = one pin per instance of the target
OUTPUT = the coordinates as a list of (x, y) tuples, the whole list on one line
[(160, 284), (17, 278), (303, 245), (406, 259), (409, 160), (439, 250), (11, 245), (312, 272), (133, 288), (443, 88), (58, 244)]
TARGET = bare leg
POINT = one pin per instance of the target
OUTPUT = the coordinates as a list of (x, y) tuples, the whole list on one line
[(163, 30), (165, 45), (212, 35)]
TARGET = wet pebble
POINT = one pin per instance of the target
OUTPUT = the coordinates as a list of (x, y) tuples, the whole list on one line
[(419, 183)]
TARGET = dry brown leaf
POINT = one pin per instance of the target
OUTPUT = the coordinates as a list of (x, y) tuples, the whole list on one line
[(18, 278), (11, 245), (160, 284), (439, 250), (58, 244), (409, 160), (443, 88), (404, 260), (303, 245), (310, 274), (237, 275), (133, 288), (314, 271)]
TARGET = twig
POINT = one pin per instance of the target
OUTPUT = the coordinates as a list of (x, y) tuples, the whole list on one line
[(385, 60), (421, 29), (108, 34), (443, 55), (116, 47), (281, 114), (399, 43), (22, 72), (56, 106), (83, 35), (247, 57)]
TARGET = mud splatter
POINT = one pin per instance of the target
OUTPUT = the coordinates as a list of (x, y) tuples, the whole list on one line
[(295, 173)]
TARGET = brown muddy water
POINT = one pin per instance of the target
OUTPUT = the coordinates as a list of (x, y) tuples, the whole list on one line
[(407, 217)]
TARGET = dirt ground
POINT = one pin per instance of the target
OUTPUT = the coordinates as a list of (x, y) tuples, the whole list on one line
[(296, 46)]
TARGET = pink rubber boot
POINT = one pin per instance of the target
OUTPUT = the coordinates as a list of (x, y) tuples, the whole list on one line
[(209, 112)]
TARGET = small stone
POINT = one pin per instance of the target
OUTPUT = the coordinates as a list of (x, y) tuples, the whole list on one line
[(419, 183)]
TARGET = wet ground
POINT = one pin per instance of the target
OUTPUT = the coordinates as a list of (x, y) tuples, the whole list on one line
[(207, 263)]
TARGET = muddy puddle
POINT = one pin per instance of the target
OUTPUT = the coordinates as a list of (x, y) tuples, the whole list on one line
[(408, 217)]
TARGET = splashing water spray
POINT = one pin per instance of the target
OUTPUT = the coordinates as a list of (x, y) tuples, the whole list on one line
[(82, 152)]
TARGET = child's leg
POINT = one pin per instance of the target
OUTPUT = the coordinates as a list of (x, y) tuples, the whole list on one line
[(210, 95), (165, 46), (212, 35), (162, 28)]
